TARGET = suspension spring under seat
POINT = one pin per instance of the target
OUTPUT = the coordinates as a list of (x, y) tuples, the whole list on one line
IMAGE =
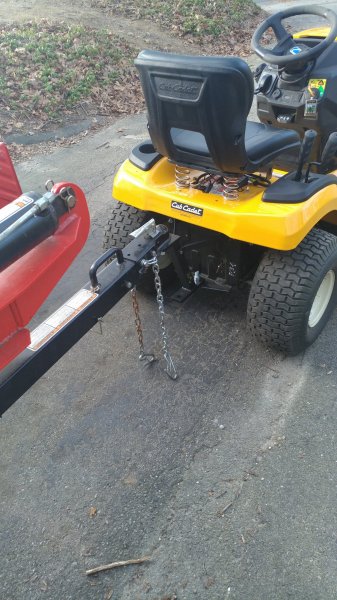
[(182, 177), (231, 186)]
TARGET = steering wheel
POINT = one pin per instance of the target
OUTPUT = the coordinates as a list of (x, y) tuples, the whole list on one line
[(281, 54)]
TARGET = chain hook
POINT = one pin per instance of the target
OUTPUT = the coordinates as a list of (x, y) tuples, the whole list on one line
[(170, 369), (147, 357)]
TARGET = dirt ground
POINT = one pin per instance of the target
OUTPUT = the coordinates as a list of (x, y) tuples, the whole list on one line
[(140, 34)]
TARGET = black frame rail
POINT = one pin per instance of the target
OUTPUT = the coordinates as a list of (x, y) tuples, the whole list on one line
[(115, 280)]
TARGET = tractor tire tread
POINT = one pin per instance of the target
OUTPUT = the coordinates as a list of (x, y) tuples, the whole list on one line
[(124, 218), (280, 290)]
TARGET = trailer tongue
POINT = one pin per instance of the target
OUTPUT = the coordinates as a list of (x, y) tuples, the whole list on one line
[(59, 332), (39, 238)]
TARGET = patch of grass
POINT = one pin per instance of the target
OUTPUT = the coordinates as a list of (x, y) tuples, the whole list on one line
[(45, 69), (196, 17)]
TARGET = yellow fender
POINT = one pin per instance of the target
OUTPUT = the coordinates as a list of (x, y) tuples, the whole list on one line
[(249, 219)]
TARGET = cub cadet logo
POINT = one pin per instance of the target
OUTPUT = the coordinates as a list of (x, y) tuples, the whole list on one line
[(295, 50), (194, 210), (178, 87)]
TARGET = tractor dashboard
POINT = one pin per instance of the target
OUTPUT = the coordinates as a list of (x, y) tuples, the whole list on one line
[(301, 99)]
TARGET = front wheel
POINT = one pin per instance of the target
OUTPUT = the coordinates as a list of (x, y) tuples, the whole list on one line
[(294, 293)]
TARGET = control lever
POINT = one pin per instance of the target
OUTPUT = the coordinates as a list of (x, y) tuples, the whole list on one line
[(330, 150), (265, 83), (307, 144), (259, 70)]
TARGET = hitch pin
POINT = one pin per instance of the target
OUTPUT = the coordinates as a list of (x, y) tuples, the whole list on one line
[(148, 228)]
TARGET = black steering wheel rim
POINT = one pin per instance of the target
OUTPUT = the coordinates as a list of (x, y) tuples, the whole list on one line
[(275, 22)]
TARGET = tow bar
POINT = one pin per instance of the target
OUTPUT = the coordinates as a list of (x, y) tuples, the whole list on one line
[(60, 331)]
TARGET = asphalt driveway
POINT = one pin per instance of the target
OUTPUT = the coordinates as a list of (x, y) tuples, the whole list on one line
[(226, 477)]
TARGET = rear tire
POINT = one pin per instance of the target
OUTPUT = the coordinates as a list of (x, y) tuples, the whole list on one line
[(294, 293), (124, 220)]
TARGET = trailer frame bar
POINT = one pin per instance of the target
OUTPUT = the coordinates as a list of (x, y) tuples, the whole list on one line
[(115, 281)]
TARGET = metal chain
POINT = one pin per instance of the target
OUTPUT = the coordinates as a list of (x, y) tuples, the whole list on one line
[(145, 356), (170, 368)]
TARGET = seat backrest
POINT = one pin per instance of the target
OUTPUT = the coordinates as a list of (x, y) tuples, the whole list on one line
[(210, 96)]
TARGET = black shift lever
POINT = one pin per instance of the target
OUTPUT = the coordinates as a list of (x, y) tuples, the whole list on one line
[(328, 154), (329, 151), (307, 144)]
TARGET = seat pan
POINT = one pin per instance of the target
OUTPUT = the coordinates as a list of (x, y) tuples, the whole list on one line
[(262, 142)]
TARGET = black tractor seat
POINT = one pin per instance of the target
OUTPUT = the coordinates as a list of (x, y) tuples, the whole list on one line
[(260, 140), (197, 113)]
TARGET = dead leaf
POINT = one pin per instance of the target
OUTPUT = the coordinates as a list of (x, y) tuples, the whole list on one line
[(208, 582), (130, 479), (92, 511)]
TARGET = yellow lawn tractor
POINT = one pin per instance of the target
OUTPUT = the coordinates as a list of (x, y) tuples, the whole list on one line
[(250, 201)]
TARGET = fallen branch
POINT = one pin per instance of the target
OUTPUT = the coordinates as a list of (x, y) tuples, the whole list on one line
[(121, 563)]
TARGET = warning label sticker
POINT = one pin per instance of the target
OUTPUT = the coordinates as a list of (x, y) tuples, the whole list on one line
[(60, 318), (13, 207)]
